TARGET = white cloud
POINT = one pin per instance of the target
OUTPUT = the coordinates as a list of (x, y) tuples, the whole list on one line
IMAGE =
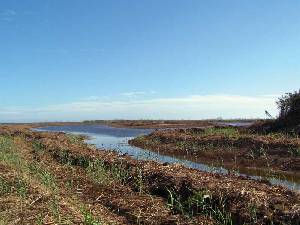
[(135, 94), (94, 98), (188, 107)]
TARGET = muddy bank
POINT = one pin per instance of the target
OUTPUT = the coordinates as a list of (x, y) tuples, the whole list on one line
[(73, 185), (229, 147), (176, 195)]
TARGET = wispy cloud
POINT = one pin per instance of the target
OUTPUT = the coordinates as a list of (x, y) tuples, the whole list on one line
[(69, 51), (135, 94), (187, 107), (8, 15), (8, 12), (95, 98)]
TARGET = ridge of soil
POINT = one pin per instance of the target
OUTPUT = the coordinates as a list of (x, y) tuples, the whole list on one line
[(139, 192), (234, 150)]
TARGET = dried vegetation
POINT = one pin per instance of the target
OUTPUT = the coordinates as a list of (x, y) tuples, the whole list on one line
[(53, 178)]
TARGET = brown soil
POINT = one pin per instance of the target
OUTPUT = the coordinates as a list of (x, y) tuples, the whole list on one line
[(111, 202), (142, 196), (281, 154)]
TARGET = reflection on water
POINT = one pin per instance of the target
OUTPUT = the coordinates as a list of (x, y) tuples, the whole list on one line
[(117, 139), (235, 124)]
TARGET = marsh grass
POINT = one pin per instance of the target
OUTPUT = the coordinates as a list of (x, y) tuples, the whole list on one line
[(5, 186), (139, 180), (75, 139), (97, 171), (22, 188), (253, 212), (226, 131), (55, 210), (8, 153), (119, 173), (46, 178), (258, 152), (65, 157), (25, 170), (88, 218), (295, 152), (39, 219), (191, 147), (4, 220), (28, 173), (200, 203), (38, 147), (69, 184), (101, 173)]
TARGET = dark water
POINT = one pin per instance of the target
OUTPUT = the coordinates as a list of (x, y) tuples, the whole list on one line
[(117, 139), (235, 124)]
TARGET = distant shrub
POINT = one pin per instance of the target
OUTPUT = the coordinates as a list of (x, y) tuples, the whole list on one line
[(288, 120), (289, 109)]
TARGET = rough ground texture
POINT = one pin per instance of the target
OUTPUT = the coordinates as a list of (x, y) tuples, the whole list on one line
[(278, 125), (69, 182), (228, 147)]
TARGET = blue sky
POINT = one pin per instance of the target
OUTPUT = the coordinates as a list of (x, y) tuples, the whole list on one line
[(170, 59)]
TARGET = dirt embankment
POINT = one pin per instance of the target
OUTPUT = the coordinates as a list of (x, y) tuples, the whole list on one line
[(230, 147), (118, 189)]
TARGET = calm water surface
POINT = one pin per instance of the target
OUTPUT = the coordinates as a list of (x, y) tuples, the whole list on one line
[(117, 139)]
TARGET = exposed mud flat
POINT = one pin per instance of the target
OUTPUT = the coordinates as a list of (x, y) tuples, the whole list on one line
[(118, 189)]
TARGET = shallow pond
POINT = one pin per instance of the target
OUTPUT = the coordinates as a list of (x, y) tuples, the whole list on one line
[(106, 137)]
